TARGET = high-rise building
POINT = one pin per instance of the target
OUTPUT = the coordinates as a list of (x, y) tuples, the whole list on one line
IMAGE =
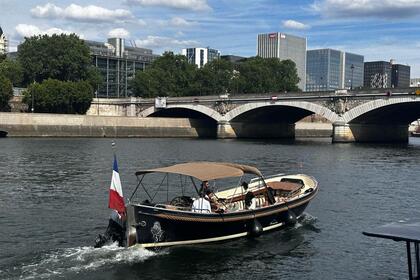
[(3, 42), (400, 76), (200, 56), (328, 69), (117, 65), (384, 74), (377, 74), (284, 46)]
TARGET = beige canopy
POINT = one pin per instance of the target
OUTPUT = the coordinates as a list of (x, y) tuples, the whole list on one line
[(205, 171)]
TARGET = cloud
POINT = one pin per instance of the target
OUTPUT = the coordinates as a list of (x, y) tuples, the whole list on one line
[(75, 12), (292, 24), (27, 30), (178, 22), (164, 42), (118, 33), (194, 5), (367, 8)]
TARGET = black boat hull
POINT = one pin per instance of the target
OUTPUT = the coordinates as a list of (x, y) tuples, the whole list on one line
[(3, 133), (160, 227)]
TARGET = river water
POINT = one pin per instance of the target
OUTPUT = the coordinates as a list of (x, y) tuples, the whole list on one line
[(53, 203)]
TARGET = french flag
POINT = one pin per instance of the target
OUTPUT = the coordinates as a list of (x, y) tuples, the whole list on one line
[(116, 198)]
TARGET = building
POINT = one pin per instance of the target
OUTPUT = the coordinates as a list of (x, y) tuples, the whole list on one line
[(200, 56), (377, 74), (3, 42), (328, 69), (400, 77), (233, 58), (415, 82), (384, 74), (284, 46), (118, 65)]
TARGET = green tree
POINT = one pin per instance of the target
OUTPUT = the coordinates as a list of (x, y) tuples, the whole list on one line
[(216, 77), (6, 92), (12, 70), (62, 57), (53, 96), (259, 75), (168, 75)]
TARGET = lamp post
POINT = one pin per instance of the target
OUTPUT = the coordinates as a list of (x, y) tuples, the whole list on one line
[(351, 82)]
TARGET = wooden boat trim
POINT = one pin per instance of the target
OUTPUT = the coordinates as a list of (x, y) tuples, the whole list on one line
[(206, 240)]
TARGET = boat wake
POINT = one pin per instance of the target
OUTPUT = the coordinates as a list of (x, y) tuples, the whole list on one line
[(81, 259)]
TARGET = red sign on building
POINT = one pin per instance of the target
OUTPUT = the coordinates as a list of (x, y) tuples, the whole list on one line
[(272, 35)]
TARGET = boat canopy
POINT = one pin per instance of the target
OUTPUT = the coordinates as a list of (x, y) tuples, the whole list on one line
[(205, 171)]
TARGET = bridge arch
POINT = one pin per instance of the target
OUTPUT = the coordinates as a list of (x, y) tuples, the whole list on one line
[(209, 112), (302, 105), (401, 110)]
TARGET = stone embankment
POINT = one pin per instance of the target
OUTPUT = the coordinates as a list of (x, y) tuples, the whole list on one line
[(62, 125)]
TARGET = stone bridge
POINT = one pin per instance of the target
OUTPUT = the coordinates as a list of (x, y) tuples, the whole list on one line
[(363, 116)]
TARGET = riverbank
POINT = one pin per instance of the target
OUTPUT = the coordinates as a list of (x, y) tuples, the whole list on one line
[(62, 125)]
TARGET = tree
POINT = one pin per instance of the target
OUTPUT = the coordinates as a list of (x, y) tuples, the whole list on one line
[(168, 75), (53, 96), (215, 77), (62, 57), (6, 93), (259, 75), (12, 70)]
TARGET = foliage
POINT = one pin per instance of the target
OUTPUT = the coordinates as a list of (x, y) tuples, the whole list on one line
[(53, 96), (2, 57), (169, 75), (12, 70), (6, 93), (215, 77), (259, 75), (62, 57)]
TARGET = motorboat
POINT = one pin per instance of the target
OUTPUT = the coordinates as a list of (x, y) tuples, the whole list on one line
[(178, 211), (3, 133)]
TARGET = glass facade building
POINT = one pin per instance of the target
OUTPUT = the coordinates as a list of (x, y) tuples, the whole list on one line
[(200, 56), (400, 77), (118, 65), (284, 46), (377, 74), (328, 69)]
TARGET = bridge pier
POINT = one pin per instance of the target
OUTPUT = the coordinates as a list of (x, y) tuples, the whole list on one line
[(255, 130), (345, 133)]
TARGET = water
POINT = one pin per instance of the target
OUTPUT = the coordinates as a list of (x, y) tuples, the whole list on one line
[(53, 201)]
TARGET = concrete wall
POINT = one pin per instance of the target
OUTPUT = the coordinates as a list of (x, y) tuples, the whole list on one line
[(60, 125)]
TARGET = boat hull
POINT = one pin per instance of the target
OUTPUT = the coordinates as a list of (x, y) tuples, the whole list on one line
[(159, 227)]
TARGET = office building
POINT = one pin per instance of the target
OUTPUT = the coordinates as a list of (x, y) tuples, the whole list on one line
[(118, 65), (384, 74), (233, 58), (328, 69), (3, 42), (200, 56), (285, 46), (377, 74), (400, 76)]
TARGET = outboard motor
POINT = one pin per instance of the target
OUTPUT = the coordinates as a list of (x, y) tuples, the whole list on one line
[(114, 232), (255, 228)]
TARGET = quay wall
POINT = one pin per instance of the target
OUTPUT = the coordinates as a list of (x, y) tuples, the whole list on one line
[(63, 125)]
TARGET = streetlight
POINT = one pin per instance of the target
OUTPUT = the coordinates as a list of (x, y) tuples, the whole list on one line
[(351, 83)]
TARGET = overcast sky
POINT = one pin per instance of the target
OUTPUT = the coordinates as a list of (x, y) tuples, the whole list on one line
[(377, 29)]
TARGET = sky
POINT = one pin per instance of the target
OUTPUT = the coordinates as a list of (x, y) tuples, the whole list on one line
[(377, 29)]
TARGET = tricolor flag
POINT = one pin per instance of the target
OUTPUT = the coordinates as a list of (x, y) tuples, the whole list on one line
[(116, 198)]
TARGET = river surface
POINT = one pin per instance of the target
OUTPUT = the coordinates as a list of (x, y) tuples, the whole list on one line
[(53, 203)]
